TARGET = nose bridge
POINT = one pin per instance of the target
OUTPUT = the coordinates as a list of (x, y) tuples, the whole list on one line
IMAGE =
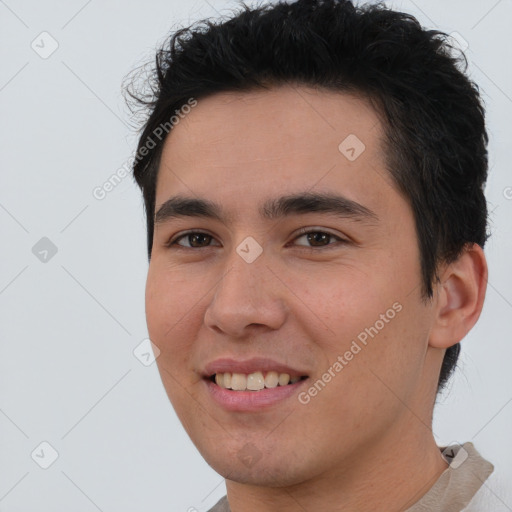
[(247, 294)]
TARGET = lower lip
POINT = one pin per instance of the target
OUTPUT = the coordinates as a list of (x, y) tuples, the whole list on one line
[(247, 401)]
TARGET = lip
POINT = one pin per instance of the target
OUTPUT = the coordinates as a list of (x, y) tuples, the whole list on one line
[(250, 401), (264, 364)]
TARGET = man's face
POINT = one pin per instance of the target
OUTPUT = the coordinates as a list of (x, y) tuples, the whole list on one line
[(349, 293)]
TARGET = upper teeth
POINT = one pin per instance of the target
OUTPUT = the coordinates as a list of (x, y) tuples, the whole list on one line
[(253, 381)]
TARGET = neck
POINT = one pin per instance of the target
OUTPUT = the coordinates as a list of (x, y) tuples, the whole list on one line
[(391, 473)]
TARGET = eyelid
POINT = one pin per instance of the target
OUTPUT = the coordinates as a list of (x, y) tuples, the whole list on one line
[(182, 234), (301, 232), (318, 229)]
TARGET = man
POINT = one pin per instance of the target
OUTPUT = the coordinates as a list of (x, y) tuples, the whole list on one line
[(316, 223)]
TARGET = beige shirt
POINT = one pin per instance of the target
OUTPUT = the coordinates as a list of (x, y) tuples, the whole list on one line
[(453, 491)]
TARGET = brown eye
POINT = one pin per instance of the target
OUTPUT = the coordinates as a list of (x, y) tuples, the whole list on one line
[(317, 238), (195, 239)]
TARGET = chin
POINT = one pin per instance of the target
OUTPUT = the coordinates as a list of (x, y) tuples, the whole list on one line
[(247, 466), (263, 476)]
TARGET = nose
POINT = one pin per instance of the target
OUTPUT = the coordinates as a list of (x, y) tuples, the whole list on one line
[(248, 295)]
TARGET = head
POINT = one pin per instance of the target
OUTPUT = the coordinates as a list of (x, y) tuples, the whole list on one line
[(312, 99)]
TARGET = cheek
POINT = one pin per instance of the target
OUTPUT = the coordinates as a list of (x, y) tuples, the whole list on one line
[(375, 323), (346, 299), (173, 323), (392, 360), (171, 308)]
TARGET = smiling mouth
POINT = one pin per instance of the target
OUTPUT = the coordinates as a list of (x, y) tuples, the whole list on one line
[(255, 381)]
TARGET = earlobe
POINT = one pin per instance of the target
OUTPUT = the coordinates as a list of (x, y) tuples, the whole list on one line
[(460, 297)]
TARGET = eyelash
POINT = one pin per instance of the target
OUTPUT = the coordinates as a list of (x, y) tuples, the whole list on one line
[(301, 233)]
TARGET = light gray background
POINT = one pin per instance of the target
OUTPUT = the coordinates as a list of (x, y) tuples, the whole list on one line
[(69, 326)]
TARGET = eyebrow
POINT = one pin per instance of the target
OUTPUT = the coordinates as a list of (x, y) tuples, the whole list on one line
[(272, 209)]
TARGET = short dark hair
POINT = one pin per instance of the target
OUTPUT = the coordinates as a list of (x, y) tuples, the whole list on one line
[(435, 138)]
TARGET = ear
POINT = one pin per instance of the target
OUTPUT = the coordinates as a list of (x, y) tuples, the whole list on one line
[(460, 297)]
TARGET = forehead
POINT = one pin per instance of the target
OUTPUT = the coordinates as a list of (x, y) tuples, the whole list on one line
[(237, 145), (267, 122)]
